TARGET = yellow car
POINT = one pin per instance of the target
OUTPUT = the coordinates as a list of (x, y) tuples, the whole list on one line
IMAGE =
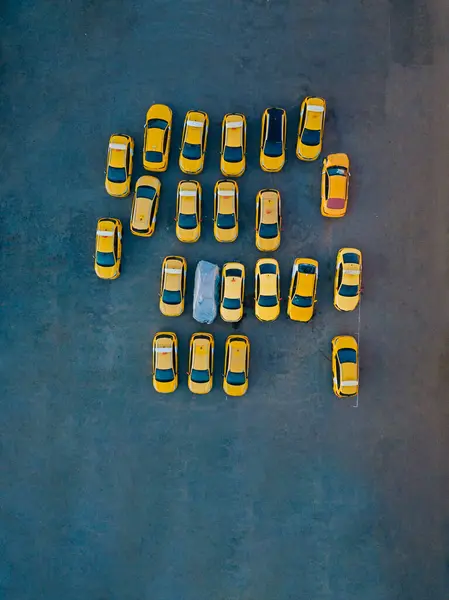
[(267, 289), (233, 145), (165, 362), (302, 294), (145, 206), (226, 211), (173, 286), (348, 279), (232, 292), (268, 220), (236, 365), (272, 139), (156, 138), (108, 248), (334, 185), (201, 363), (194, 140), (311, 128), (188, 211), (119, 165), (345, 366)]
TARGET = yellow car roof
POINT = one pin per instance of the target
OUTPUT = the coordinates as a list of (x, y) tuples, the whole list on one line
[(117, 148), (268, 284), (349, 374), (173, 274), (305, 284), (226, 197), (188, 192), (195, 123), (269, 207), (201, 351), (233, 283), (105, 236), (351, 274), (237, 356), (315, 108), (142, 211), (155, 139), (163, 348), (234, 130)]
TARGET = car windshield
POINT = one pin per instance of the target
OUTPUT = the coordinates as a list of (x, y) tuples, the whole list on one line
[(171, 297), (273, 149), (268, 268), (153, 156), (235, 378), (117, 174), (348, 290), (310, 137), (302, 301), (268, 230), (231, 303), (191, 151), (307, 269), (337, 171), (165, 375), (350, 257), (157, 124), (187, 221), (199, 376), (267, 301), (347, 355), (225, 221), (146, 191), (105, 259), (233, 154)]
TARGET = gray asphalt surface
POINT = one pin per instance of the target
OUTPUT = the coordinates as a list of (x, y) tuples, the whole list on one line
[(111, 491)]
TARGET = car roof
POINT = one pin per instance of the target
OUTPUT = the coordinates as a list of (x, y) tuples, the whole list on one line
[(117, 150), (188, 194), (269, 207), (337, 187), (141, 213), (195, 122), (155, 139), (305, 284), (233, 282), (268, 284), (234, 130), (348, 372), (237, 355), (315, 109), (105, 235), (226, 197), (173, 274), (164, 352), (201, 352)]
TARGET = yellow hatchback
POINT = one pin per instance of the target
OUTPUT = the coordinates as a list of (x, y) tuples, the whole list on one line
[(156, 138), (119, 165), (302, 294), (272, 139), (194, 141), (188, 211), (145, 206), (226, 211), (236, 365), (345, 366), (173, 286), (348, 279), (267, 289), (165, 362), (268, 220), (311, 128), (232, 292), (334, 185), (108, 248), (201, 363), (233, 145)]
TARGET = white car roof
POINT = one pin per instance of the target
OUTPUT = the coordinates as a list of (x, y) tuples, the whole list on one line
[(173, 271), (195, 123), (315, 108), (227, 193), (234, 124), (105, 233), (115, 146), (190, 193)]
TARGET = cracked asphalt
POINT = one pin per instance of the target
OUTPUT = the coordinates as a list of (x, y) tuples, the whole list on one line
[(111, 491)]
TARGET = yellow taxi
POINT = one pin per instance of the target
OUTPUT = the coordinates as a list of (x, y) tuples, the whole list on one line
[(233, 145), (311, 128), (119, 165), (156, 138), (188, 211), (165, 362), (232, 292), (194, 140), (302, 294), (272, 139), (236, 365), (201, 363), (226, 211), (334, 185), (267, 289), (173, 286), (108, 248), (345, 366), (268, 220), (348, 279), (145, 205)]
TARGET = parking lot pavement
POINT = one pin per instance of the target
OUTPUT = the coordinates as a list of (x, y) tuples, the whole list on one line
[(112, 491)]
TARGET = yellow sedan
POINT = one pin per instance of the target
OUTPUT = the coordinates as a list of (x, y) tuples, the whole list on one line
[(268, 220), (345, 366), (236, 365), (194, 141), (232, 292), (119, 165), (201, 363), (311, 128), (108, 248), (145, 206), (272, 139), (335, 185), (226, 211), (188, 211), (165, 362), (233, 145), (348, 279), (302, 294), (156, 139), (267, 289), (173, 286)]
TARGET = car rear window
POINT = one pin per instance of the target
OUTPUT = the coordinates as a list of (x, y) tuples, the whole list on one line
[(273, 149), (337, 171), (153, 156), (157, 124), (164, 375), (348, 290), (225, 221), (307, 269), (302, 301), (187, 221), (350, 257), (347, 355), (233, 273), (199, 376), (235, 378), (171, 297), (267, 268), (233, 154), (105, 259), (117, 174), (268, 230), (267, 301), (191, 151), (146, 191), (310, 137), (231, 303)]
